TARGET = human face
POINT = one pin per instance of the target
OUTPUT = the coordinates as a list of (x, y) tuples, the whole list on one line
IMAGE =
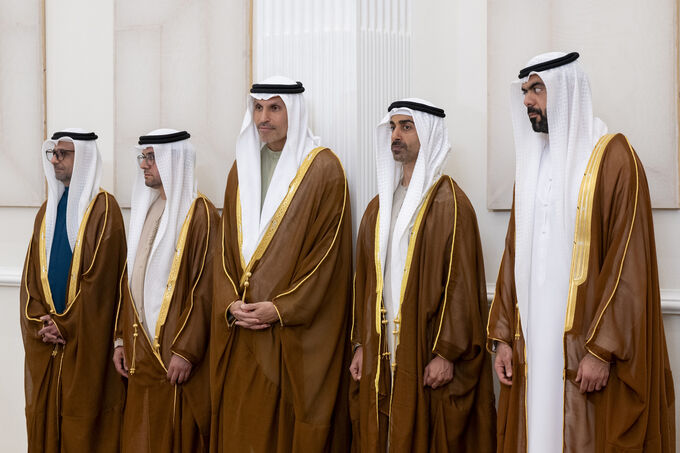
[(405, 142), (151, 176), (271, 119), (535, 100), (63, 169)]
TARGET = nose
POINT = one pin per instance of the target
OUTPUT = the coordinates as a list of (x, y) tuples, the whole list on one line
[(53, 159), (528, 100), (395, 134)]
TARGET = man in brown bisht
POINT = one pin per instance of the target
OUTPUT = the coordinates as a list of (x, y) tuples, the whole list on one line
[(69, 293), (576, 320), (282, 297), (164, 321), (423, 377)]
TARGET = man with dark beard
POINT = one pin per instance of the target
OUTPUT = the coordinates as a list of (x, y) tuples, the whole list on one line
[(576, 319)]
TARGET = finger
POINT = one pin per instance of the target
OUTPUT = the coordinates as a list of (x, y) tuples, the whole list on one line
[(426, 377), (248, 315), (584, 384), (507, 363), (504, 372), (591, 386)]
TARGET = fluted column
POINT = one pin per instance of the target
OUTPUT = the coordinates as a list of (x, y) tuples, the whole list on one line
[(353, 58)]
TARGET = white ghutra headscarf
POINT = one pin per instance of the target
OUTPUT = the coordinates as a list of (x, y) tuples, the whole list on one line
[(434, 148), (175, 161), (299, 143), (84, 185), (573, 133)]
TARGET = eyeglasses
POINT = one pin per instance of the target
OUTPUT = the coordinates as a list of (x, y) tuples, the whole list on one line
[(58, 153), (149, 158)]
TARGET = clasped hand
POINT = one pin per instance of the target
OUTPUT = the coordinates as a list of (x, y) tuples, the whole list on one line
[(254, 316), (50, 333)]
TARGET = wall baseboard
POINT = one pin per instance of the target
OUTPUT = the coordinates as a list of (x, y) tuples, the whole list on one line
[(10, 276)]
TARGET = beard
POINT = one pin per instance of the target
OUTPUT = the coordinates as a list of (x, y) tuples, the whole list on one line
[(539, 123)]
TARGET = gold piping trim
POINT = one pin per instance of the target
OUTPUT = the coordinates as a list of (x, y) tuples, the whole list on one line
[(582, 230), (180, 355), (354, 298), (78, 250), (172, 277), (174, 404), (101, 235), (278, 313), (404, 280), (281, 211), (134, 349), (239, 228), (144, 333), (43, 269), (590, 351), (335, 236), (625, 250), (120, 297), (226, 315), (28, 293), (448, 279), (75, 263), (378, 311), (224, 265), (58, 392), (200, 272)]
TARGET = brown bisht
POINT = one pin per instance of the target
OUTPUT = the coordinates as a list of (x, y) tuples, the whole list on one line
[(161, 417), (74, 396), (443, 312), (284, 389), (613, 312)]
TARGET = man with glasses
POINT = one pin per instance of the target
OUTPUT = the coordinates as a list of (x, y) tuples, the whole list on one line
[(69, 295), (164, 323)]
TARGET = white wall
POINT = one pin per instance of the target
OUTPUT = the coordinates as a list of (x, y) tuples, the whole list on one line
[(449, 68)]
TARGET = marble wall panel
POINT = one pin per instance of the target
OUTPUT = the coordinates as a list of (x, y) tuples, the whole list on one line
[(22, 109), (630, 52), (182, 65)]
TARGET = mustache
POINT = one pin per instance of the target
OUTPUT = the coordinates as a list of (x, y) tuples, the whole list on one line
[(397, 143), (534, 110), (264, 124)]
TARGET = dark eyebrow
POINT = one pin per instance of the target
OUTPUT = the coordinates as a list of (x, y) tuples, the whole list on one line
[(532, 86), (405, 121)]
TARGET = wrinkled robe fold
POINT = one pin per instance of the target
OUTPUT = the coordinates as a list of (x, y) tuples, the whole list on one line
[(160, 417), (74, 397), (443, 312), (616, 316), (284, 389)]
